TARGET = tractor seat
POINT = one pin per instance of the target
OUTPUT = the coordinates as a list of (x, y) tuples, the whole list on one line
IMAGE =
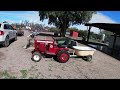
[(62, 46), (65, 44)]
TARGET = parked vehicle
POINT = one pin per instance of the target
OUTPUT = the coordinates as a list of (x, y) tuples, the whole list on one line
[(20, 32), (7, 33)]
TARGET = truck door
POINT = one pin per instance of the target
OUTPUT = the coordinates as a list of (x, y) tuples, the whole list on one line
[(8, 30), (13, 32)]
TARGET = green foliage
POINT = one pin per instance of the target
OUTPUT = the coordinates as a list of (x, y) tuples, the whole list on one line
[(96, 36), (27, 23), (107, 33), (72, 29), (6, 75), (5, 22), (53, 29), (31, 78), (63, 19), (71, 17), (24, 73), (83, 33)]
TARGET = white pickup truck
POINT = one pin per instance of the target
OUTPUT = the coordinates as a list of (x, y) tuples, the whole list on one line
[(7, 33)]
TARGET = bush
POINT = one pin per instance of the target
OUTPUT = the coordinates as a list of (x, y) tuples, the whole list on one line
[(72, 29), (54, 29), (82, 33)]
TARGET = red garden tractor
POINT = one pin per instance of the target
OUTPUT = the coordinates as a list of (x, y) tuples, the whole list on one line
[(48, 47)]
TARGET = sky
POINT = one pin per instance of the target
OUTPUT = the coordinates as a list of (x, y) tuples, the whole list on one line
[(33, 16)]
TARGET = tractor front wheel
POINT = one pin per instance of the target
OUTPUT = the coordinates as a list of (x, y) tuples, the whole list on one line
[(36, 56), (63, 56)]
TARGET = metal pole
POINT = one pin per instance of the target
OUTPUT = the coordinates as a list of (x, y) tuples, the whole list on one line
[(114, 43), (88, 34)]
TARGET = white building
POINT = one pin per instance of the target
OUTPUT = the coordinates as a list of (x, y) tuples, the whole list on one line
[(27, 27)]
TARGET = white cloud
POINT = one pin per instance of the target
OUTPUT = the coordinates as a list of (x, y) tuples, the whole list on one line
[(34, 17), (101, 18), (96, 18), (10, 21), (16, 16)]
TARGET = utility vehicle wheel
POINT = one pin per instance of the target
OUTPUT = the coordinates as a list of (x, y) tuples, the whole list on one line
[(55, 58), (36, 56), (15, 38), (89, 58), (6, 43), (63, 56)]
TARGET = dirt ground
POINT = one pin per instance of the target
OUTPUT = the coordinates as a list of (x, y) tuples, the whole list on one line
[(15, 62)]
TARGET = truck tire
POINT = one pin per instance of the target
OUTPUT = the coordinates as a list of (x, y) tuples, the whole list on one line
[(63, 56), (36, 56), (6, 43), (15, 38), (22, 34)]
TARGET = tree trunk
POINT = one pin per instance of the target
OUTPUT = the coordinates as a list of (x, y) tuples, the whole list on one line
[(63, 27), (62, 33), (63, 30)]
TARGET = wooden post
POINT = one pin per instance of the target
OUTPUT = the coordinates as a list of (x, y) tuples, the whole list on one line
[(114, 43), (88, 34)]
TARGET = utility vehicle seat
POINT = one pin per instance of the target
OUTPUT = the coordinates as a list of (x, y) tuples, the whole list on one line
[(65, 44), (62, 46)]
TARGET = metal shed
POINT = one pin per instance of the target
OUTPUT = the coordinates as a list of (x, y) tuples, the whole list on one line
[(112, 27)]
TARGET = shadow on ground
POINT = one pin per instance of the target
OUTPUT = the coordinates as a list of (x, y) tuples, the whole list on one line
[(2, 56), (11, 41)]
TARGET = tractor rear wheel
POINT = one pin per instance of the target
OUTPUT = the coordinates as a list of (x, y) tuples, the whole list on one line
[(63, 56), (36, 56)]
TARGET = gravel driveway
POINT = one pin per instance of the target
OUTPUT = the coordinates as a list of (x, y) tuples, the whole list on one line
[(15, 62)]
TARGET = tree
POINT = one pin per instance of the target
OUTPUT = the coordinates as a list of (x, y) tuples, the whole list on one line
[(107, 33), (5, 22), (26, 22), (63, 19), (83, 33), (73, 29), (53, 29)]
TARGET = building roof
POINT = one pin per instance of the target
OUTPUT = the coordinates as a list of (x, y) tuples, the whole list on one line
[(113, 27)]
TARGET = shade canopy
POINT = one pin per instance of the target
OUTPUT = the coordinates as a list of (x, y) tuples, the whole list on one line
[(113, 27)]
